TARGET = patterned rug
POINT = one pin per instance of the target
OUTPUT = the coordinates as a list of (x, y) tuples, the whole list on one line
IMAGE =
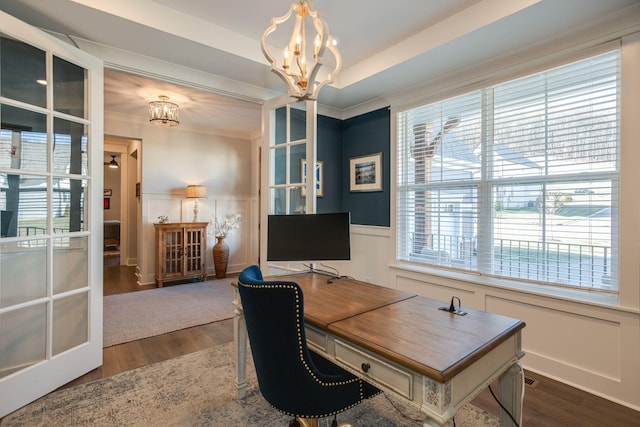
[(197, 390), (135, 315)]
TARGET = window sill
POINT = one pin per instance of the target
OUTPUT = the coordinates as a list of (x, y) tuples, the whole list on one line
[(563, 294)]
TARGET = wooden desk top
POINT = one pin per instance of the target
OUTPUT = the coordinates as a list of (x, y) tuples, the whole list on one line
[(325, 303), (432, 342)]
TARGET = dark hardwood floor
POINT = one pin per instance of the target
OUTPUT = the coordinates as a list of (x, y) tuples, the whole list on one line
[(547, 402)]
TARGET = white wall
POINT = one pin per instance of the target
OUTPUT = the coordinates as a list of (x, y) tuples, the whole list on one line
[(171, 159)]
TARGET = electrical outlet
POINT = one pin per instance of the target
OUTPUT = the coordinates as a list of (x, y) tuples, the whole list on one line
[(458, 312)]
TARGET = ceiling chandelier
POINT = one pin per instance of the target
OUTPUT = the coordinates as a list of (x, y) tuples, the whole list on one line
[(299, 67), (163, 112)]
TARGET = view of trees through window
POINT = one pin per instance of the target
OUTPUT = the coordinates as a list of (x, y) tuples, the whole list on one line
[(517, 180)]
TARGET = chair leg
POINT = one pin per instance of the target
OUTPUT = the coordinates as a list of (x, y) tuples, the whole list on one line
[(312, 422), (307, 422)]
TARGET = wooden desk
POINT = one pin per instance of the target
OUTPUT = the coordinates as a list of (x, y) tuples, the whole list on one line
[(326, 303), (436, 360)]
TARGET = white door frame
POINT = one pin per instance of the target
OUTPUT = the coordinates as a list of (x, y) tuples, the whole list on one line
[(121, 146)]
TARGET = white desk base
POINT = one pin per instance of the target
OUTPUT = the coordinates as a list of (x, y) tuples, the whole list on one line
[(437, 401)]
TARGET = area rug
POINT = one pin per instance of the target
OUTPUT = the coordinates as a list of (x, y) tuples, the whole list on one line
[(135, 315), (197, 390)]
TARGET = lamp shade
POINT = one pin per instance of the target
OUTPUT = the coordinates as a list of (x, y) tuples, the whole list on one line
[(196, 192)]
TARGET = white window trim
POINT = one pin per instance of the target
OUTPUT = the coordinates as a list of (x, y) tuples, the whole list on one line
[(629, 210)]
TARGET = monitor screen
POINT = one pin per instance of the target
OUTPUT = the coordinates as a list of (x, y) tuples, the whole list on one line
[(313, 237)]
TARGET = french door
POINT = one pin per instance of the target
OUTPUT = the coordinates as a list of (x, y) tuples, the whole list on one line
[(51, 106), (288, 146)]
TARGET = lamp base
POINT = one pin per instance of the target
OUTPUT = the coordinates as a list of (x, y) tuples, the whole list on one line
[(195, 212)]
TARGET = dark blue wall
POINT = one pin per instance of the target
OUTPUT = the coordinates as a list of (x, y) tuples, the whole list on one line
[(363, 135), (330, 152), (339, 141)]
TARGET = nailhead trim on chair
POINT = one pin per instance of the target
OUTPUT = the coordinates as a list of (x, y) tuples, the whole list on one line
[(301, 353)]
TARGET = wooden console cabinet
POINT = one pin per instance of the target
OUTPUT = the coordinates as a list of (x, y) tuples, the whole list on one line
[(180, 251)]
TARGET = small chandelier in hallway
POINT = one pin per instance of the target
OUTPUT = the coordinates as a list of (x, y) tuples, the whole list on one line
[(163, 112)]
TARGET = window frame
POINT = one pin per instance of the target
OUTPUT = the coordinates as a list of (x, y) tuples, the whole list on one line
[(485, 188)]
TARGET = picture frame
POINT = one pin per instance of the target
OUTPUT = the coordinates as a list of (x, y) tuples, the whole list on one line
[(365, 173), (107, 203), (107, 192), (319, 177)]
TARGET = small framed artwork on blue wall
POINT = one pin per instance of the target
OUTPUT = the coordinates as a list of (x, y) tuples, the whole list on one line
[(365, 173)]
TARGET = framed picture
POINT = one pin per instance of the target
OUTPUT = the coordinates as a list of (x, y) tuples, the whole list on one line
[(107, 192), (319, 177), (365, 173), (107, 203)]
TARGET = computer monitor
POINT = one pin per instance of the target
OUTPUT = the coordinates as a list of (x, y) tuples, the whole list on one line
[(312, 237)]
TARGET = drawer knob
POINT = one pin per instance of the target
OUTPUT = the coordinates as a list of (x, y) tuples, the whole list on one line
[(366, 367)]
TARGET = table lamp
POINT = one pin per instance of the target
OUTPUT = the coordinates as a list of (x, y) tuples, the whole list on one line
[(196, 192)]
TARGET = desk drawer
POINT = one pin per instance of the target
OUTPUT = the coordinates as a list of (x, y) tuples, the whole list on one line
[(390, 376), (316, 338)]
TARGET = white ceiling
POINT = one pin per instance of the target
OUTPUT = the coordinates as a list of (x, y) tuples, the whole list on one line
[(386, 47)]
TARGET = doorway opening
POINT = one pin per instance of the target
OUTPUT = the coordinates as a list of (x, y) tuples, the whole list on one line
[(122, 214)]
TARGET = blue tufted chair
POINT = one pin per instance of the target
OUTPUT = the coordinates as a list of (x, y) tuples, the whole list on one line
[(293, 379)]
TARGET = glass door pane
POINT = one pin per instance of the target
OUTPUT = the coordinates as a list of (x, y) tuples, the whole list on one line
[(22, 72), (69, 82)]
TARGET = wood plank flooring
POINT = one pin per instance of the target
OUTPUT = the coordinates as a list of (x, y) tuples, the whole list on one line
[(547, 402)]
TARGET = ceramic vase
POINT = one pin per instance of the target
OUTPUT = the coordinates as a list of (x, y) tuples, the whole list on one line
[(220, 257)]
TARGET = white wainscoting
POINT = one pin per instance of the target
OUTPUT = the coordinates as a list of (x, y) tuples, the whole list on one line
[(594, 348), (591, 346), (370, 254), (243, 242)]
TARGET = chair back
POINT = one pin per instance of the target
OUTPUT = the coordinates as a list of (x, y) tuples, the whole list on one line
[(290, 377), (273, 313)]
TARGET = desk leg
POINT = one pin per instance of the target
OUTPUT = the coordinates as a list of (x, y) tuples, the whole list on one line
[(510, 394), (240, 336)]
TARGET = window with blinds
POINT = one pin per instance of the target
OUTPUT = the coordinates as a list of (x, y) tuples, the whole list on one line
[(517, 180)]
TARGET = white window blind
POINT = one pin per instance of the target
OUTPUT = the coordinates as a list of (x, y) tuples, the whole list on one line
[(517, 180)]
